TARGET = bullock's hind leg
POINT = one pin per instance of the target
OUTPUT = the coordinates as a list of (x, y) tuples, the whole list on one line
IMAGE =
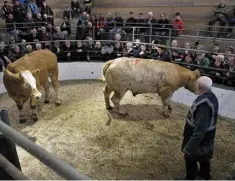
[(107, 91), (55, 84), (116, 99), (33, 105), (47, 91), (166, 94), (22, 116)]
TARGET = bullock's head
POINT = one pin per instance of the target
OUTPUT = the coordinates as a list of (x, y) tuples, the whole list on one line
[(25, 82), (191, 83)]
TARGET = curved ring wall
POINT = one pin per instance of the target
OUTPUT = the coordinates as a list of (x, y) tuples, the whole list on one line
[(93, 70)]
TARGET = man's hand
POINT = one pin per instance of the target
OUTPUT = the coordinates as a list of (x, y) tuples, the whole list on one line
[(186, 152)]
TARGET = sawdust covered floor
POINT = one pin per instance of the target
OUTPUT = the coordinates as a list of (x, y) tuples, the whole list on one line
[(142, 145)]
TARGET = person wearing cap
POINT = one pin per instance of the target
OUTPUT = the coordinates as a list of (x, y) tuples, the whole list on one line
[(199, 131), (178, 25), (201, 59)]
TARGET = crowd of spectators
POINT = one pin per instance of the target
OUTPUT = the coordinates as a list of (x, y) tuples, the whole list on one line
[(29, 25)]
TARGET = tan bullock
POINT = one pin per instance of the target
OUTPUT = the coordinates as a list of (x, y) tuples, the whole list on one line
[(145, 76), (23, 78)]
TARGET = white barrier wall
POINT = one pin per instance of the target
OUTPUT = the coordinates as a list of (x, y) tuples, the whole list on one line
[(92, 70)]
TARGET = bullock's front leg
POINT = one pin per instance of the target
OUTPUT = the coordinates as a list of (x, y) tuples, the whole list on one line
[(22, 116), (166, 94), (33, 105), (116, 99), (55, 84), (107, 91)]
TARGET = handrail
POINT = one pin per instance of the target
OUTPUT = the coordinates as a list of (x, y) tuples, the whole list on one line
[(61, 168)]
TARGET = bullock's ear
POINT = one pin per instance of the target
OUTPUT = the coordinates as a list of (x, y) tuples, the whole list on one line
[(35, 72)]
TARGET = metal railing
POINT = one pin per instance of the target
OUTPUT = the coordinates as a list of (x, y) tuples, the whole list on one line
[(58, 166)]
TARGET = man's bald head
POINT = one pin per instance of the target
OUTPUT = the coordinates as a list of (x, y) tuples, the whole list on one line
[(203, 84)]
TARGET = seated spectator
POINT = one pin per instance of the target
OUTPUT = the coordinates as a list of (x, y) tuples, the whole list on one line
[(44, 35), (219, 15), (218, 64), (58, 34), (32, 36), (29, 49), (231, 24), (75, 7), (67, 13), (188, 62), (177, 55), (15, 54), (216, 51), (31, 8), (29, 24), (117, 37), (163, 23), (128, 51), (130, 23), (65, 26), (88, 4), (4, 60), (228, 50), (201, 60), (136, 48), (39, 3), (46, 10), (6, 9), (80, 51), (107, 51), (10, 25), (39, 21), (67, 50), (163, 54), (96, 55), (38, 46), (153, 52), (82, 20), (19, 12), (187, 47), (178, 25), (23, 46), (143, 52), (57, 49), (118, 51), (231, 74)]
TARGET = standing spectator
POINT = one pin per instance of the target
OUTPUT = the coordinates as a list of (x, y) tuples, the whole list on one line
[(75, 7), (101, 21), (140, 24), (231, 24), (19, 14), (200, 130), (130, 23), (65, 26), (6, 9), (68, 13), (219, 15), (31, 8), (151, 22), (119, 23), (178, 25), (88, 5), (39, 3), (163, 23), (46, 10), (82, 20), (177, 55)]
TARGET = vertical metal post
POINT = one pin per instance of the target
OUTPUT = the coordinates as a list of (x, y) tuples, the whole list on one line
[(133, 34), (150, 33)]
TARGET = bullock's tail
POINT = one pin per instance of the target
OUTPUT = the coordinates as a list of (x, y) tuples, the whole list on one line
[(106, 66)]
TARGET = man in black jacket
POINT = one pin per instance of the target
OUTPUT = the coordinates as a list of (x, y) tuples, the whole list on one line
[(199, 130), (231, 24)]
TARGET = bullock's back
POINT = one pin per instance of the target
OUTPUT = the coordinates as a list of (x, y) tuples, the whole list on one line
[(44, 60)]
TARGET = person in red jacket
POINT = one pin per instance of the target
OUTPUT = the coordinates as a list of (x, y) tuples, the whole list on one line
[(178, 25)]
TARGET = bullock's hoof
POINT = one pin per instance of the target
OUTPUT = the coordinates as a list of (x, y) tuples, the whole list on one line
[(22, 121), (46, 101), (166, 115), (123, 113), (58, 103), (109, 108), (35, 119)]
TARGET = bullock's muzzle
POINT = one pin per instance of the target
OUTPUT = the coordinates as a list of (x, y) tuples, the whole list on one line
[(36, 94)]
